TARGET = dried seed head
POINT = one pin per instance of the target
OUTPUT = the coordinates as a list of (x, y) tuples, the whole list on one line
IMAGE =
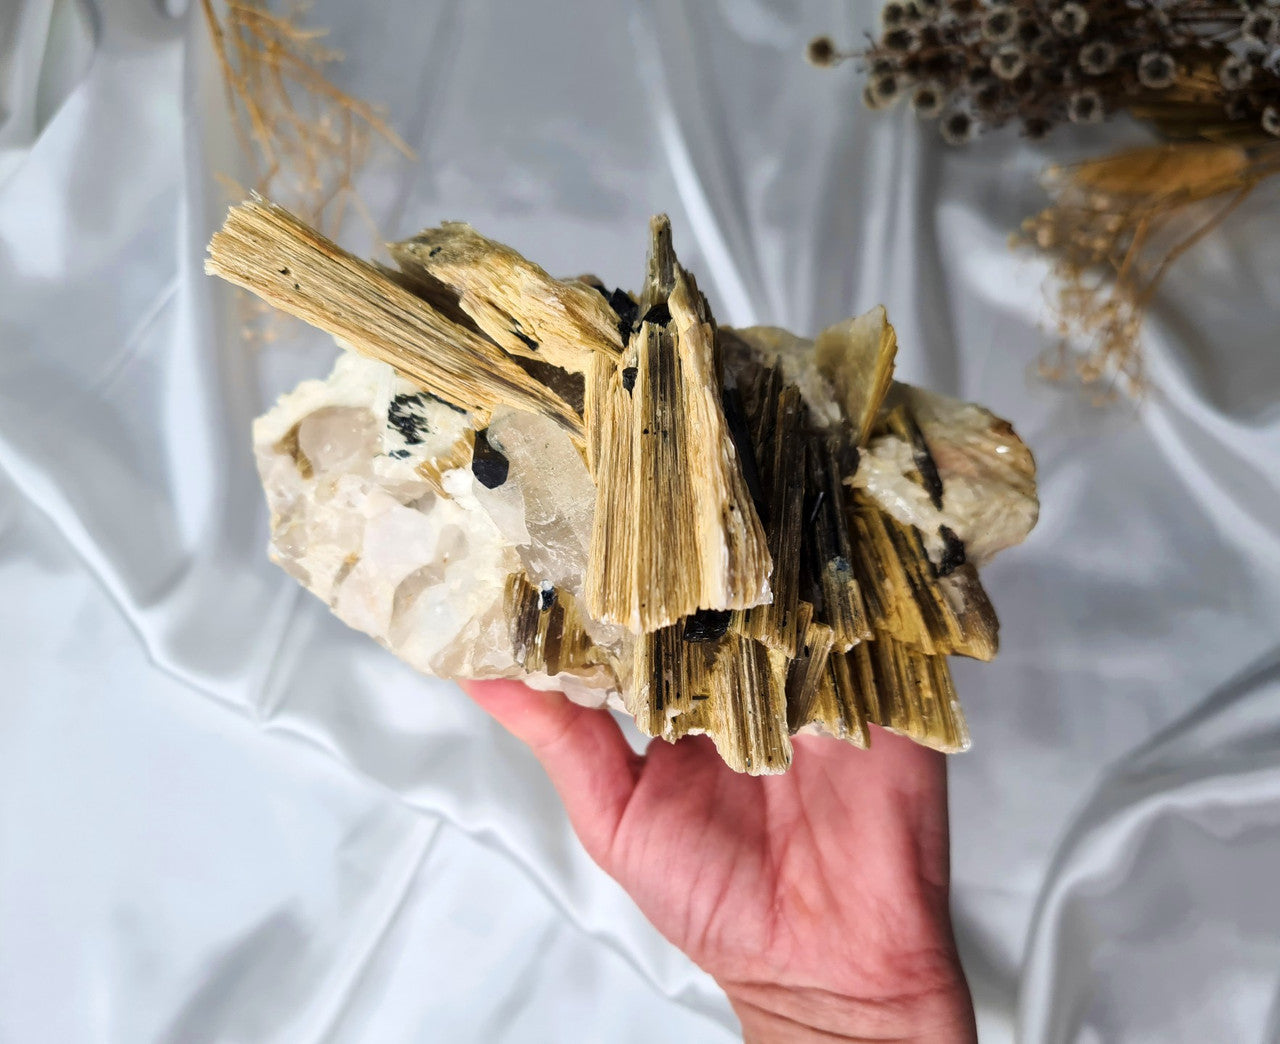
[(893, 15), (883, 91), (1260, 27), (1029, 60), (1271, 120), (1085, 106), (882, 65), (1070, 20), (1156, 70), (1009, 62), (886, 89), (899, 41), (914, 15), (1098, 57), (1235, 72), (999, 25), (957, 127), (986, 96), (822, 52), (1036, 127), (1030, 34), (927, 101)]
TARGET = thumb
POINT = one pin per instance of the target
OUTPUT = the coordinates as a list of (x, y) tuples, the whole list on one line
[(583, 751)]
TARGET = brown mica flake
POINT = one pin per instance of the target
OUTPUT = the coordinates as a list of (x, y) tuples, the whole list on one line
[(458, 455), (289, 446), (548, 634)]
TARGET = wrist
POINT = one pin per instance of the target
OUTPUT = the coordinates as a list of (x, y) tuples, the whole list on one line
[(774, 1014)]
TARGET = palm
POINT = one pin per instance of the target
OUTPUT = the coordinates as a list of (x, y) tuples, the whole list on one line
[(839, 866), (832, 877)]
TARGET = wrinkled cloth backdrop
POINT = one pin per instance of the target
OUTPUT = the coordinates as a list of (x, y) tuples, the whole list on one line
[(224, 816)]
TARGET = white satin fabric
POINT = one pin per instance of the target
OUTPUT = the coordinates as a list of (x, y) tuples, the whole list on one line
[(226, 817)]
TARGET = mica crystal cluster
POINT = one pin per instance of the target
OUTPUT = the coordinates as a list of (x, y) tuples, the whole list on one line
[(741, 533)]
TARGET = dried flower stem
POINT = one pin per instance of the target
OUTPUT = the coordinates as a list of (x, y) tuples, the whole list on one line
[(305, 138), (291, 120), (1109, 233)]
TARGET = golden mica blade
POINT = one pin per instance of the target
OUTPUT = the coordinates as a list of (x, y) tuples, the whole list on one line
[(915, 695), (857, 357), (778, 419), (731, 688), (266, 250), (675, 528), (515, 302), (807, 673), (548, 633), (839, 708), (830, 551)]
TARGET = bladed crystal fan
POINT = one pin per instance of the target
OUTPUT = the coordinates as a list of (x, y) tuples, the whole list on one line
[(742, 533)]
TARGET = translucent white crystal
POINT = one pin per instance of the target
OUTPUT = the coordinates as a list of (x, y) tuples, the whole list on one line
[(557, 493), (422, 569), (988, 476)]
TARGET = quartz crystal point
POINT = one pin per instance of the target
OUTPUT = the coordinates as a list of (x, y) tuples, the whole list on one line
[(742, 533)]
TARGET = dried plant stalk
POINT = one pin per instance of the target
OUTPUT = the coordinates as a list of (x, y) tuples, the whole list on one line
[(1114, 228), (1205, 74)]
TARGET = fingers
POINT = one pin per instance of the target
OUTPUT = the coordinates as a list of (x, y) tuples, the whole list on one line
[(583, 751)]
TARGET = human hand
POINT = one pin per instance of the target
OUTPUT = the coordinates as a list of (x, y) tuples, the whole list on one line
[(818, 899)]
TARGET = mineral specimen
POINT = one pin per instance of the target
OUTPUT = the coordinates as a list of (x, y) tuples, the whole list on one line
[(736, 532)]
